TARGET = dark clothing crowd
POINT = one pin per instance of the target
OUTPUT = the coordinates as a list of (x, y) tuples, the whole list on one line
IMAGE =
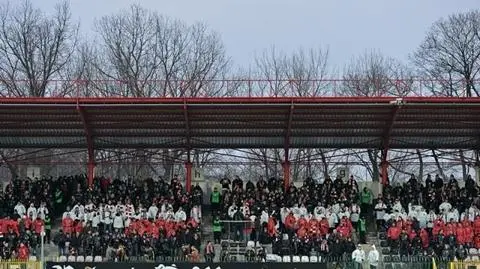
[(314, 218)]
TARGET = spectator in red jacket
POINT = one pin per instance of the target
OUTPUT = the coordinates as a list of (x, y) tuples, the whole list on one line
[(23, 252)]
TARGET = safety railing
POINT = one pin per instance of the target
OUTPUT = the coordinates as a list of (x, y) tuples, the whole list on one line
[(244, 87)]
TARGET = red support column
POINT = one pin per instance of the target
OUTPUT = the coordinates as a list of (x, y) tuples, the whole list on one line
[(286, 174), (90, 147), (188, 182), (90, 172), (384, 167)]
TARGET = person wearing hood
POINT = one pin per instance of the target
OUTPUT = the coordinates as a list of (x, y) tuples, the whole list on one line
[(373, 257), (358, 256)]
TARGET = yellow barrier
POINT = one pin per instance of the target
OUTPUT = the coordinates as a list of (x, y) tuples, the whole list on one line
[(15, 264), (464, 265)]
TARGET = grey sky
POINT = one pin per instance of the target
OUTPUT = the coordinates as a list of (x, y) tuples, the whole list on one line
[(347, 27)]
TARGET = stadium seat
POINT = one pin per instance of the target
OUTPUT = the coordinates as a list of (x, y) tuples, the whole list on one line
[(296, 259), (89, 259), (250, 244), (387, 258), (80, 259), (385, 251), (305, 259), (98, 259), (473, 251), (383, 244), (72, 259), (32, 258), (272, 258), (286, 259), (62, 259), (313, 258), (382, 236)]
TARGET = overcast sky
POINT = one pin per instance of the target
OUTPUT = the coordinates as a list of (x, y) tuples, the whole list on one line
[(347, 27)]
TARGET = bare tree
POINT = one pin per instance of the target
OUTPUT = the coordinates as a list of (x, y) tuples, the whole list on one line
[(373, 74), (141, 53), (450, 55), (152, 55), (301, 73), (34, 48)]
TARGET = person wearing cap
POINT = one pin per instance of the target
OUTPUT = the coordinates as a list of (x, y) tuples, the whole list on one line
[(358, 256), (373, 257)]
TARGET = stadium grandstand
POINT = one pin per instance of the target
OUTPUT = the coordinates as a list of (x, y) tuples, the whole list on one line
[(91, 218)]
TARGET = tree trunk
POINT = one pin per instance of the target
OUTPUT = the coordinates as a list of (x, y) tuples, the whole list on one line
[(373, 157), (439, 167), (324, 163), (420, 165), (464, 165)]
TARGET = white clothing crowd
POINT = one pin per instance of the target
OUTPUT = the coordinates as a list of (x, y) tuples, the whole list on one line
[(31, 212), (425, 219), (332, 213), (120, 215)]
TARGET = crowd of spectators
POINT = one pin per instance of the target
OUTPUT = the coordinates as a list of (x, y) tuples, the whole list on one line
[(436, 217), (317, 218), (27, 207), (119, 219)]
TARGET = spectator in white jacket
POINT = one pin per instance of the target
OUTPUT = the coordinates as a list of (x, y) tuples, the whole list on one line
[(445, 207), (152, 211), (422, 218), (118, 222), (397, 206), (319, 212), (358, 257), (32, 212), (380, 209), (231, 211), (180, 215), (96, 219), (196, 213), (354, 214), (452, 215), (373, 257), (264, 217), (42, 211), (20, 209), (284, 211)]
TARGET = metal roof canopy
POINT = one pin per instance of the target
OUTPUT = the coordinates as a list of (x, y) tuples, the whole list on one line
[(266, 122)]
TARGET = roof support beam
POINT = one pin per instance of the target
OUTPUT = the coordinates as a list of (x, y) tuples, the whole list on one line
[(90, 145), (288, 130), (286, 146), (187, 128), (386, 139)]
